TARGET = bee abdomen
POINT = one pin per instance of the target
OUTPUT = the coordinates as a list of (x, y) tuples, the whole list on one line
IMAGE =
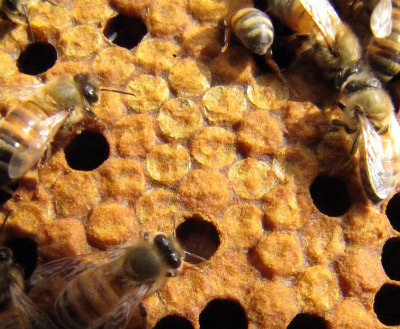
[(384, 53), (18, 129), (84, 300), (254, 29), (11, 319)]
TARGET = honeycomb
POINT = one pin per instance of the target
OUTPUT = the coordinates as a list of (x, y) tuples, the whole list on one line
[(247, 165)]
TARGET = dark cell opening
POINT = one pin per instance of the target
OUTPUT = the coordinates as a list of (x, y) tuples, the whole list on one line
[(5, 194), (125, 31), (24, 253), (387, 305), (37, 58), (87, 151), (198, 237), (307, 321), (260, 5), (223, 313), (330, 195), (173, 322), (391, 258), (393, 211)]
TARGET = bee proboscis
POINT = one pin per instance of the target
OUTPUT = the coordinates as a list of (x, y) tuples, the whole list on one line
[(123, 277)]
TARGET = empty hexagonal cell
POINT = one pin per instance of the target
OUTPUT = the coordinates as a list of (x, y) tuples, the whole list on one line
[(387, 304), (37, 58), (24, 254), (124, 31), (173, 321), (393, 211), (391, 258), (307, 321), (198, 237), (330, 195), (87, 151), (223, 313)]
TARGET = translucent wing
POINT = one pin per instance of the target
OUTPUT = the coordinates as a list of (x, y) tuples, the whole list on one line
[(381, 19), (70, 267), (28, 309), (120, 316), (17, 92), (23, 160), (377, 155), (324, 16)]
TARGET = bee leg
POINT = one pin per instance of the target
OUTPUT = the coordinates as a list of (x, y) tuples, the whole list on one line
[(275, 68), (94, 117), (345, 162), (143, 314), (341, 124), (227, 38)]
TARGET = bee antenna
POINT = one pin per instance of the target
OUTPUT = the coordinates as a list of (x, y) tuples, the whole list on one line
[(4, 222), (29, 24), (174, 226), (117, 91), (195, 256)]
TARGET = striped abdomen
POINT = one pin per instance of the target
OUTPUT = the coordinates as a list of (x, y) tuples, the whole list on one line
[(293, 14), (88, 297), (13, 319), (254, 29), (19, 130), (384, 53)]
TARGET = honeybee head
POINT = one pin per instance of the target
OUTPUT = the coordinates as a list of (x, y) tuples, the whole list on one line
[(5, 255), (171, 252), (87, 87)]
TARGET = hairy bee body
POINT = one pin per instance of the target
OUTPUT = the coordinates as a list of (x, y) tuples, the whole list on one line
[(383, 54), (368, 109), (253, 28), (31, 122), (106, 288), (330, 42), (16, 310)]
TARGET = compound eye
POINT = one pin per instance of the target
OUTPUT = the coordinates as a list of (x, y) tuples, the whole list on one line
[(174, 260), (91, 94), (5, 254)]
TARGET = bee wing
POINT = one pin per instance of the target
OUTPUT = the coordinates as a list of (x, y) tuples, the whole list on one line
[(324, 16), (70, 267), (381, 19), (18, 92), (378, 173), (23, 160), (120, 316), (30, 310)]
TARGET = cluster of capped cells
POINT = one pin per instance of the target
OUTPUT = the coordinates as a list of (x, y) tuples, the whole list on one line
[(221, 144)]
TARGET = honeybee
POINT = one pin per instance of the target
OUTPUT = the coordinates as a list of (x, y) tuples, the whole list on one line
[(105, 289), (255, 31), (251, 26), (383, 50), (17, 311), (31, 123), (330, 42), (368, 108), (369, 113)]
